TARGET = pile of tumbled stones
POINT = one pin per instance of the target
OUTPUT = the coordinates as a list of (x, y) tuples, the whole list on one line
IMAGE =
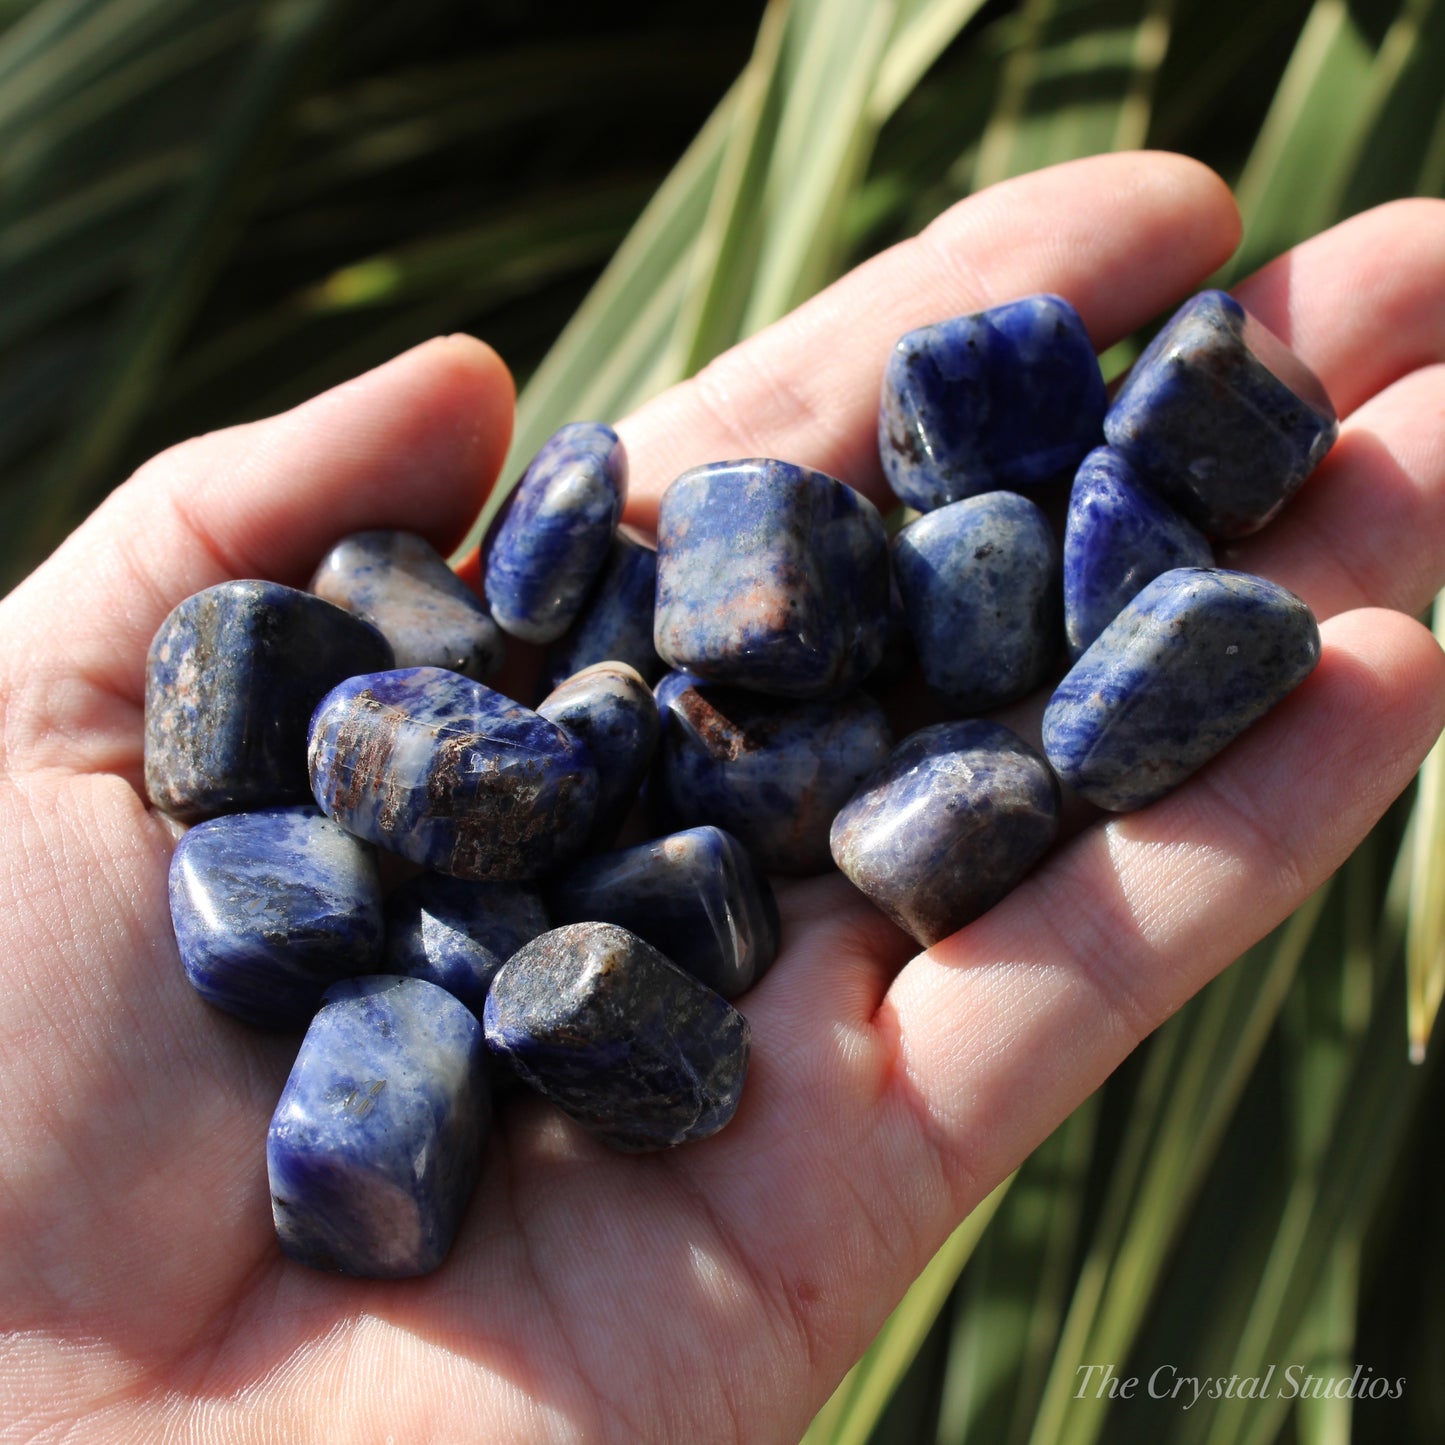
[(301, 732)]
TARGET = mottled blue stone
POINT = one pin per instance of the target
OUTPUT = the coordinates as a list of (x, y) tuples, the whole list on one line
[(555, 532), (231, 680), (613, 711), (947, 826), (451, 774), (616, 620), (1119, 536), (619, 1038), (1221, 418), (772, 577), (769, 771), (1004, 398), (376, 1145), (980, 585), (402, 585), (1190, 663), (457, 933), (271, 908), (695, 896)]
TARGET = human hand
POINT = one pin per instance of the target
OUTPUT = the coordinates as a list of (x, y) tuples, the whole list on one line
[(717, 1292)]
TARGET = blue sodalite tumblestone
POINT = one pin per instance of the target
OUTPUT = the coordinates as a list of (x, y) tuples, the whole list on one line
[(1000, 399), (771, 772), (1221, 418), (1119, 536), (616, 620), (772, 577), (402, 585), (619, 1038), (947, 826), (695, 896), (555, 532), (1190, 663), (457, 933), (271, 908), (613, 711), (375, 1147), (980, 585), (232, 677), (451, 774)]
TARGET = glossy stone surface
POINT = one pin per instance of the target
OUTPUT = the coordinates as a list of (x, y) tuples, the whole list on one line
[(772, 577), (695, 896), (1119, 536), (1221, 418), (271, 908), (450, 774), (1190, 663), (1000, 399), (613, 711), (376, 1145), (770, 772), (457, 933), (402, 585), (616, 620), (955, 818), (231, 679), (619, 1038), (555, 532), (980, 585)]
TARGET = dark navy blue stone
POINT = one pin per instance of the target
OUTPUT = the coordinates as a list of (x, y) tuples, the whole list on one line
[(231, 680), (955, 818), (452, 775), (402, 585), (271, 908), (1119, 536), (457, 933), (1221, 418), (1004, 398), (772, 577), (980, 585), (376, 1145), (771, 772), (1190, 663), (620, 1039), (616, 620), (695, 896), (555, 532)]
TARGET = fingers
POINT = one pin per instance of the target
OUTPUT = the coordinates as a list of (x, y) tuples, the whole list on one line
[(1123, 237), (1001, 1029)]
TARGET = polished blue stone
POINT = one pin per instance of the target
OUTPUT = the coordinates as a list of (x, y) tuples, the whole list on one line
[(620, 1039), (457, 933), (695, 896), (376, 1145), (613, 711), (980, 585), (402, 585), (1119, 536), (1003, 398), (271, 908), (616, 620), (769, 771), (231, 680), (1221, 418), (555, 532), (1190, 663), (772, 577), (947, 826), (451, 774)]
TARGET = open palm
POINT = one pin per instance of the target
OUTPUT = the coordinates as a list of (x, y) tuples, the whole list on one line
[(715, 1293)]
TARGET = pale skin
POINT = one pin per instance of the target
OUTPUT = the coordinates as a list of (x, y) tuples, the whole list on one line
[(718, 1292)]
